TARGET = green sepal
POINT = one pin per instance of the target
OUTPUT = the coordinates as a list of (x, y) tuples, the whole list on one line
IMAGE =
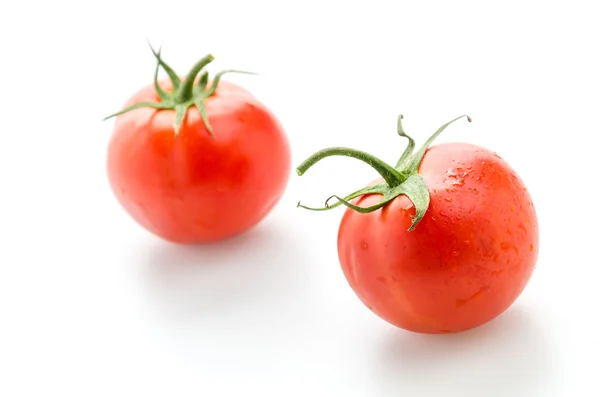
[(180, 113), (175, 81), (161, 93), (413, 166), (202, 110), (410, 147), (153, 105), (375, 189), (416, 190), (215, 82), (202, 82)]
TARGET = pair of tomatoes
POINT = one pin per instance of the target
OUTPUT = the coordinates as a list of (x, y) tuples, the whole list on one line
[(444, 241)]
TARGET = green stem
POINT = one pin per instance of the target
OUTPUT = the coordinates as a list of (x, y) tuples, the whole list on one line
[(185, 91), (388, 173), (213, 87)]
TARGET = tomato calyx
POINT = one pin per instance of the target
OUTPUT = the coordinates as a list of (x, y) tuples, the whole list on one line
[(185, 93), (403, 179)]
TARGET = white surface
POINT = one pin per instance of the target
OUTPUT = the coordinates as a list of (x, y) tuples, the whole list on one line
[(92, 305)]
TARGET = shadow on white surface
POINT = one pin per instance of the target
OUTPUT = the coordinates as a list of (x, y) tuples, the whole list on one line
[(258, 271), (507, 357)]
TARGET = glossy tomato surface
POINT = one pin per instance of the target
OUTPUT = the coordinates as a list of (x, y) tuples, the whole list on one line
[(193, 188), (464, 264)]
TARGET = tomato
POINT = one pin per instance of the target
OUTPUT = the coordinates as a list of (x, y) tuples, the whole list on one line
[(197, 160), (446, 253)]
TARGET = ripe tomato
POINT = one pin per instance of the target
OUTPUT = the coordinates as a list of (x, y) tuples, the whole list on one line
[(197, 160), (471, 254)]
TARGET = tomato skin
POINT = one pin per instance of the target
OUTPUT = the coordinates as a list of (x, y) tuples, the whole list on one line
[(193, 188), (464, 264)]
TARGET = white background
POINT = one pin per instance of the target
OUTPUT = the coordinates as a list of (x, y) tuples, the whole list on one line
[(92, 305)]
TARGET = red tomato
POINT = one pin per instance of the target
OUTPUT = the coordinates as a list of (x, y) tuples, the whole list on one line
[(468, 259), (200, 180)]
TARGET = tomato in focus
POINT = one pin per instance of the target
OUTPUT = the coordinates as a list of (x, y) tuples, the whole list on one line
[(466, 262), (468, 259)]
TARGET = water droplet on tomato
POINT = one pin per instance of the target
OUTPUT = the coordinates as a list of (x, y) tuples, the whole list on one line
[(512, 208), (531, 247), (453, 177), (450, 173), (364, 245), (448, 199)]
